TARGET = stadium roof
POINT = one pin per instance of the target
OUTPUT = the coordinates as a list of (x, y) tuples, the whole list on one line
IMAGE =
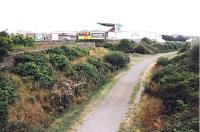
[(109, 24)]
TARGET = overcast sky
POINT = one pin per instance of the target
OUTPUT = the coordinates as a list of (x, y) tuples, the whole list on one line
[(161, 16)]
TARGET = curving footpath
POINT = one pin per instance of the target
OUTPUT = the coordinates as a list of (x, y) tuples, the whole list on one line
[(107, 116)]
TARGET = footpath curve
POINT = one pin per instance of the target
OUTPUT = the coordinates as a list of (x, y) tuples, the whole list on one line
[(107, 116)]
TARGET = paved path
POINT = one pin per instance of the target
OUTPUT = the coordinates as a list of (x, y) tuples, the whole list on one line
[(108, 115)]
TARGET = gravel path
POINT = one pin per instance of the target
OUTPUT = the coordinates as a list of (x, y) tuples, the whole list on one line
[(108, 115)]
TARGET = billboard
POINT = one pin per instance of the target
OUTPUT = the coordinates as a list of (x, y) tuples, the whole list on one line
[(91, 35), (39, 36)]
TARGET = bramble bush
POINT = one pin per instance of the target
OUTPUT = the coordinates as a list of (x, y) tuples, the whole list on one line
[(146, 40), (163, 61), (56, 51), (102, 67), (74, 52), (86, 71), (142, 49), (195, 54), (125, 46), (117, 59), (59, 61), (177, 85), (5, 45), (7, 96), (20, 39), (36, 66), (185, 47)]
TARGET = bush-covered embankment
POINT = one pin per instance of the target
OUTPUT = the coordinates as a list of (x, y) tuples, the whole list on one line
[(171, 98), (40, 86), (9, 43), (145, 46)]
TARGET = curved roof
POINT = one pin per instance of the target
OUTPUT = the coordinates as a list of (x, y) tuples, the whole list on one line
[(109, 24)]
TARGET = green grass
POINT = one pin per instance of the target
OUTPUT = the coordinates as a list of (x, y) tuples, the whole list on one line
[(136, 88)]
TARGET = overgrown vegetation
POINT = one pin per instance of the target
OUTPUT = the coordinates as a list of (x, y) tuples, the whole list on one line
[(176, 84), (49, 83), (117, 59), (170, 102), (145, 46), (5, 44), (9, 42), (7, 96), (34, 66)]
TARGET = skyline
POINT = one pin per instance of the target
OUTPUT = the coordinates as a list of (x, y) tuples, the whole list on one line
[(164, 17)]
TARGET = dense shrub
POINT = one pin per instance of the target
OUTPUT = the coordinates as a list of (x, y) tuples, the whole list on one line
[(56, 51), (186, 121), (146, 40), (5, 44), (125, 46), (177, 85), (195, 54), (36, 66), (117, 59), (185, 47), (111, 46), (102, 67), (7, 96), (59, 61), (163, 61), (142, 49), (20, 39), (86, 72), (74, 52)]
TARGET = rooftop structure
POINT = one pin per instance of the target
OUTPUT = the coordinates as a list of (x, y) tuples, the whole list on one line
[(114, 27)]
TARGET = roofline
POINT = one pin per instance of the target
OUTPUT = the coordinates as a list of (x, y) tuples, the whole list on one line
[(109, 24)]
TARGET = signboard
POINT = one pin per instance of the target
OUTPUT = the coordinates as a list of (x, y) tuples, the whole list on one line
[(39, 36)]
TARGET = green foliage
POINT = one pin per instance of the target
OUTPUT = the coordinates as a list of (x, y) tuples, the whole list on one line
[(74, 52), (111, 46), (20, 39), (59, 61), (195, 54), (56, 51), (117, 59), (125, 46), (36, 66), (142, 49), (86, 70), (102, 67), (177, 85), (186, 121), (185, 47), (163, 61), (146, 40), (5, 44), (7, 96)]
